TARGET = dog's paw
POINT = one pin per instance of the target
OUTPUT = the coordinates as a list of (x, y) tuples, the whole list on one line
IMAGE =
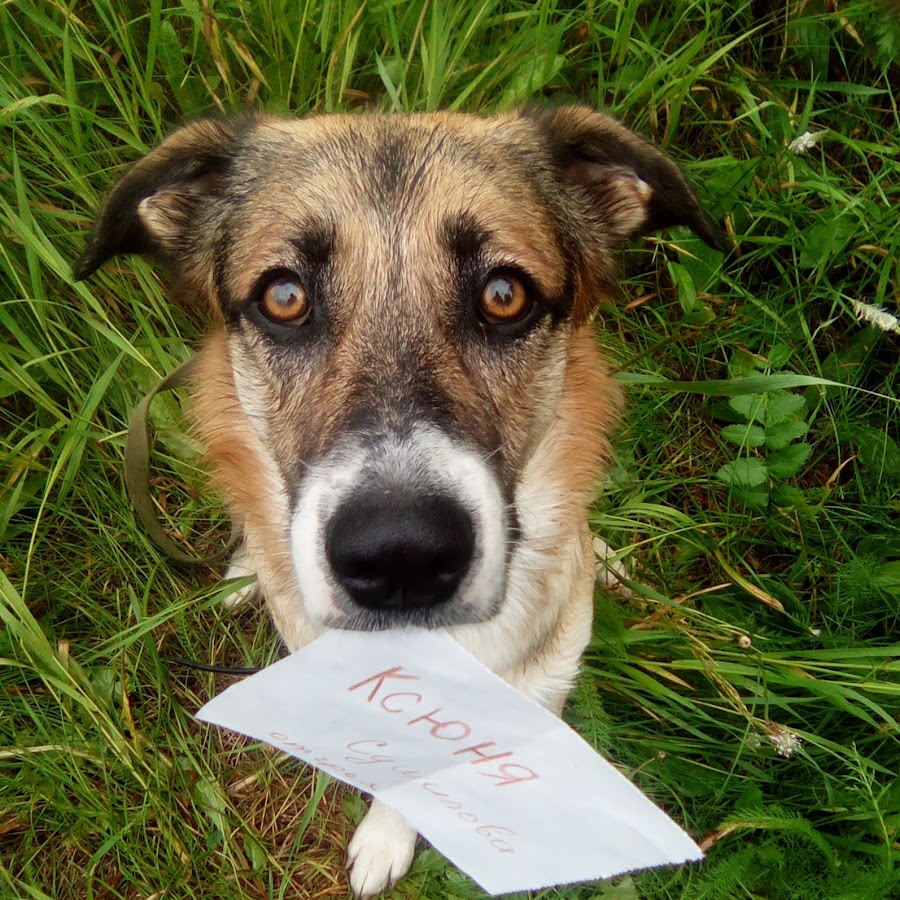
[(240, 566), (610, 571), (380, 852)]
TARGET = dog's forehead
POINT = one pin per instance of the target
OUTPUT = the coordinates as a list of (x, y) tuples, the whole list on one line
[(391, 155), (373, 182)]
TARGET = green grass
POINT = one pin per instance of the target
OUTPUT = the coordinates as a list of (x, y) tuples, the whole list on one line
[(766, 587)]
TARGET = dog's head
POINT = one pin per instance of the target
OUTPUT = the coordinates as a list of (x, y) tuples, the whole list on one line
[(399, 296)]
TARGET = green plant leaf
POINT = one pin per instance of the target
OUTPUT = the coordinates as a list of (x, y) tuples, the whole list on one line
[(779, 356), (786, 496), (812, 41), (741, 363), (887, 577), (750, 406), (824, 240), (754, 497), (788, 462), (533, 75), (745, 435), (781, 434), (782, 406), (701, 262), (684, 286), (878, 451), (750, 384), (743, 472)]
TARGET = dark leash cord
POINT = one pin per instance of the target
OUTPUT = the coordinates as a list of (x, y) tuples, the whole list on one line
[(137, 484), (137, 474), (205, 667)]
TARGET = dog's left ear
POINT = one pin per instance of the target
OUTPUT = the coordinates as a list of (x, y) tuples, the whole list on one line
[(632, 188)]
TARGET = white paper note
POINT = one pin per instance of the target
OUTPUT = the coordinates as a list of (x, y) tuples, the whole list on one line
[(501, 787)]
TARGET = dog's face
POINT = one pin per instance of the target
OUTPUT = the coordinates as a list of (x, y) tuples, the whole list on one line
[(399, 296)]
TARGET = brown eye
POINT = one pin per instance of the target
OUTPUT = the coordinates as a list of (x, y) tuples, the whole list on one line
[(285, 301), (504, 300)]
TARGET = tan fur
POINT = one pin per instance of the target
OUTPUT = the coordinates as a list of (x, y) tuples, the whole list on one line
[(535, 642), (244, 473)]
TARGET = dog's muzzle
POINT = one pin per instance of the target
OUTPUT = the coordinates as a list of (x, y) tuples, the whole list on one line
[(400, 530), (395, 553)]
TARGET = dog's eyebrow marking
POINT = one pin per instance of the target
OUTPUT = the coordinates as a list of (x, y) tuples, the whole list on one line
[(303, 244), (464, 237), (474, 246), (315, 244), (470, 245)]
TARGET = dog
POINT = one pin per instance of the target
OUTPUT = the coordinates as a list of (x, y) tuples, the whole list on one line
[(401, 398)]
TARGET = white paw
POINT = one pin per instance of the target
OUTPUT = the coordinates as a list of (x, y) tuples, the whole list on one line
[(610, 570), (240, 566), (380, 852)]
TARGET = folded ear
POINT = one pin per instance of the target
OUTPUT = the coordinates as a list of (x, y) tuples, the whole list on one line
[(156, 208), (632, 188)]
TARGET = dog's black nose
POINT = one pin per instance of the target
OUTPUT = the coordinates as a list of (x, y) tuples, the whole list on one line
[(400, 555)]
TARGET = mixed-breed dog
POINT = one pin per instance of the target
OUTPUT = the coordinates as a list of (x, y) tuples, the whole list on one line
[(401, 398)]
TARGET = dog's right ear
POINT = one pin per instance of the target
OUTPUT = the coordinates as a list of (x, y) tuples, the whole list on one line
[(155, 208)]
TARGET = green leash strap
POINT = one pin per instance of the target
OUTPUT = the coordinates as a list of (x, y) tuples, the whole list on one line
[(137, 473)]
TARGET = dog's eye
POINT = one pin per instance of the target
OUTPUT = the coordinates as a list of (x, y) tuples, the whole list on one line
[(285, 301), (504, 300)]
